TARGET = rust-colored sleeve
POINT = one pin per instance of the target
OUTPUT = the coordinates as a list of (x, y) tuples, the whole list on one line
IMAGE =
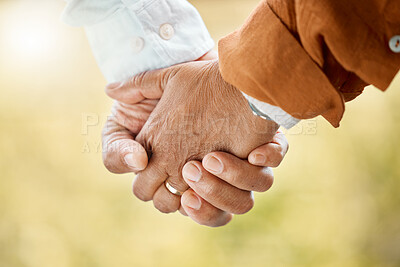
[(310, 56)]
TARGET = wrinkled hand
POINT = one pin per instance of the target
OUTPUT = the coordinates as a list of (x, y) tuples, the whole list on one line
[(243, 129), (236, 173), (254, 171), (123, 155)]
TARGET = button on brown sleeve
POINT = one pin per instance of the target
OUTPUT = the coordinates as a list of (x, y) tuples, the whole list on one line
[(310, 56)]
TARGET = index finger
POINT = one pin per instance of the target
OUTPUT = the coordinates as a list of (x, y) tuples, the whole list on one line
[(146, 85)]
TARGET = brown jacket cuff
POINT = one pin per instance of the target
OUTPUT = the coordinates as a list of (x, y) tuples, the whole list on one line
[(264, 60)]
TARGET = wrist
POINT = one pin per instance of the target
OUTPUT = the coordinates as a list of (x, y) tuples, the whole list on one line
[(210, 55), (260, 119)]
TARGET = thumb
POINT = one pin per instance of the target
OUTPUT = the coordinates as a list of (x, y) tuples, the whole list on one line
[(147, 85)]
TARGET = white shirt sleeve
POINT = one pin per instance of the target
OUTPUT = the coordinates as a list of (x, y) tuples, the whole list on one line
[(274, 113), (132, 36)]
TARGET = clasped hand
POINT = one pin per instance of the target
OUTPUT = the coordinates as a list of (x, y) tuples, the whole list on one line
[(196, 113)]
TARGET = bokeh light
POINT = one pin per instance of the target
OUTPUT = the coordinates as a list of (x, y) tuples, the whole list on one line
[(28, 30), (335, 201)]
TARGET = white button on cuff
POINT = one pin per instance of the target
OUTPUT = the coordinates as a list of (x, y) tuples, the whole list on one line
[(137, 44), (167, 31), (394, 44)]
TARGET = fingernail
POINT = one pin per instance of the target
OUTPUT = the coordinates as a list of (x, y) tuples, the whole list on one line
[(258, 159), (191, 172), (112, 86), (214, 165), (131, 161), (192, 201)]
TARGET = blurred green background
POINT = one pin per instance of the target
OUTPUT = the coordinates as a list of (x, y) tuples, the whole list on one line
[(335, 201)]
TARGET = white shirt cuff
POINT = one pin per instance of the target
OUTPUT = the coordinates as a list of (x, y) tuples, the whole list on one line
[(132, 36), (275, 113)]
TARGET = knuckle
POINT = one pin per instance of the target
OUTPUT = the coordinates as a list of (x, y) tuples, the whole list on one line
[(136, 79), (233, 174), (215, 222), (140, 194), (265, 181), (275, 157), (165, 202), (274, 162), (182, 211), (245, 206), (208, 190), (208, 219), (163, 207), (266, 185)]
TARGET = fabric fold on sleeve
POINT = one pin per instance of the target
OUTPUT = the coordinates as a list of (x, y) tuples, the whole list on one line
[(264, 60)]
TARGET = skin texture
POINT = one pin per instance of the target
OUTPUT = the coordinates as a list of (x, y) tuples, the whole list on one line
[(231, 135), (122, 154), (194, 204)]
